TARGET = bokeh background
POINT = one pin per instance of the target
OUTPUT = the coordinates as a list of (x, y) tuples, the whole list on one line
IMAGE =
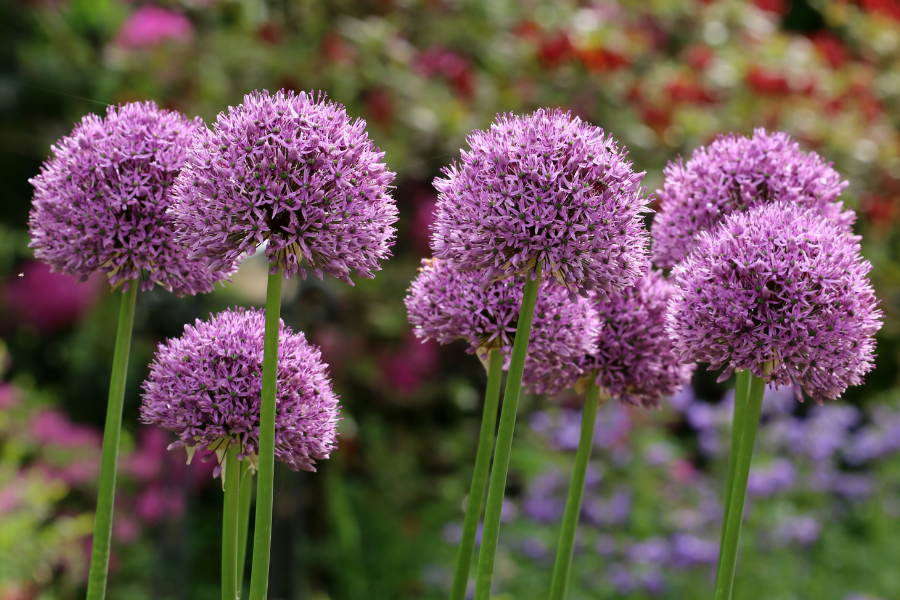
[(381, 518)]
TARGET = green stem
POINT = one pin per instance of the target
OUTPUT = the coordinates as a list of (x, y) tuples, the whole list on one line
[(728, 560), (479, 477), (563, 565), (243, 519), (231, 499), (741, 389), (485, 574), (265, 479), (111, 434)]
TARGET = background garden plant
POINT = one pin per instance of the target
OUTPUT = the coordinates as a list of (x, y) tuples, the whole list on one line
[(663, 78)]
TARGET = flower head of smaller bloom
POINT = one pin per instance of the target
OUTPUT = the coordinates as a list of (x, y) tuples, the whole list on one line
[(445, 305), (783, 292), (634, 360), (205, 386), (100, 202), (546, 188), (295, 171), (736, 173)]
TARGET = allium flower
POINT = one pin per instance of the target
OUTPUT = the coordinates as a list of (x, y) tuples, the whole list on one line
[(100, 203), (445, 304), (206, 385), (634, 361), (736, 173), (782, 292), (543, 187), (293, 170)]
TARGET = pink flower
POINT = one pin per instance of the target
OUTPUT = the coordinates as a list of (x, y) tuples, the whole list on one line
[(151, 25), (52, 427), (48, 301)]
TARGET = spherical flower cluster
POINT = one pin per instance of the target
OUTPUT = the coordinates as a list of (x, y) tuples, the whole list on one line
[(634, 361), (445, 305), (782, 292), (206, 386), (543, 187), (100, 203), (736, 173), (296, 172)]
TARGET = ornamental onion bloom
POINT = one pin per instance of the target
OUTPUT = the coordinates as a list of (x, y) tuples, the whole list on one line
[(100, 202), (543, 187), (780, 291), (634, 361), (445, 304), (205, 386), (736, 173), (292, 170)]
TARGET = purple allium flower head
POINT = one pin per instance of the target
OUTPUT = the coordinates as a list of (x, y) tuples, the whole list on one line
[(634, 360), (543, 187), (206, 385), (445, 304), (100, 202), (293, 170), (736, 173), (780, 291)]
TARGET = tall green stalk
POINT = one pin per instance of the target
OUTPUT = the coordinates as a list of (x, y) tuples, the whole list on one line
[(741, 389), (735, 514), (230, 502), (485, 573), (111, 434), (265, 479), (479, 477), (563, 564), (243, 519)]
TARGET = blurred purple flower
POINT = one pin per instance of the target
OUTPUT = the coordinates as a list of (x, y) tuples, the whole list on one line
[(52, 427), (689, 550), (776, 477), (803, 530), (151, 25), (620, 578), (655, 550)]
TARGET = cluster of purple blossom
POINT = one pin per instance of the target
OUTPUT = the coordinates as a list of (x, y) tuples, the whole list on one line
[(767, 278)]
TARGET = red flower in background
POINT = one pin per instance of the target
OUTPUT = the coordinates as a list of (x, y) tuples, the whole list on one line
[(379, 108), (831, 47), (151, 25), (779, 7), (887, 8), (600, 60), (406, 368), (555, 50), (439, 61), (767, 82), (698, 56)]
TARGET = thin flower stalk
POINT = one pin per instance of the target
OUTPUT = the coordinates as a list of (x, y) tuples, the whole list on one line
[(479, 476), (231, 500), (265, 479), (735, 514), (496, 491), (593, 398), (110, 456)]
